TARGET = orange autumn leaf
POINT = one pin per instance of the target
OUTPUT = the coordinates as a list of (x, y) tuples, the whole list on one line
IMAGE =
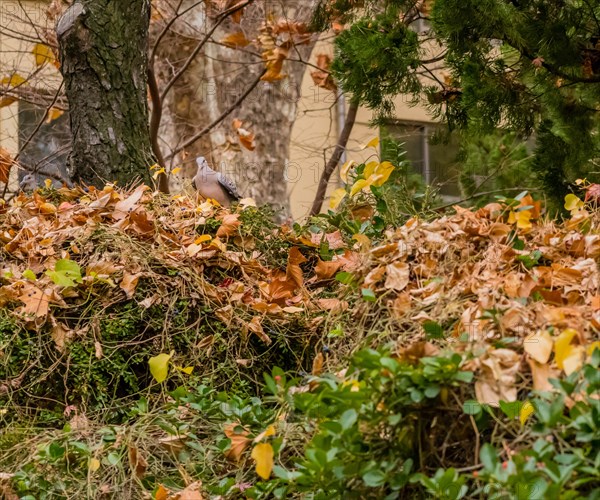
[(229, 226), (239, 441), (5, 165), (293, 271), (235, 40), (327, 269)]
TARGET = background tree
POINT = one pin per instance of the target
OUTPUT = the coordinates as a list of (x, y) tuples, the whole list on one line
[(531, 67), (211, 65)]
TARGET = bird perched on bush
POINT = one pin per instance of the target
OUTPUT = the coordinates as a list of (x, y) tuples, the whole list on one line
[(30, 182), (215, 185)]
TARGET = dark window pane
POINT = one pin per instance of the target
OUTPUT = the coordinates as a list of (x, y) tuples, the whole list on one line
[(443, 168), (48, 149), (411, 139)]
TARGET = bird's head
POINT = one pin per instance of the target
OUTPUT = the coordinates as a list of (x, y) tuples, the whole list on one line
[(203, 166), (28, 183)]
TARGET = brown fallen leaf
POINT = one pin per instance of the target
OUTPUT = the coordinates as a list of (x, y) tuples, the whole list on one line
[(129, 283), (137, 462), (255, 327), (541, 374), (327, 269), (317, 365), (333, 305), (239, 441), (397, 276), (37, 302), (293, 272), (236, 40), (192, 491), (5, 165), (496, 380), (229, 226), (129, 204), (539, 346), (60, 334)]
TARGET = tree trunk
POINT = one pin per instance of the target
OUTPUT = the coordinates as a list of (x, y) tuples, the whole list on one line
[(214, 83), (103, 54)]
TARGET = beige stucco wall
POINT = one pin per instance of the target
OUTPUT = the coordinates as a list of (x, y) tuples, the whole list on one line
[(315, 133)]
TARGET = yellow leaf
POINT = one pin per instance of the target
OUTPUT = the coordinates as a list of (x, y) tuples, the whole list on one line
[(203, 238), (157, 173), (569, 358), (336, 198), (154, 167), (346, 169), (175, 171), (362, 240), (539, 346), (269, 431), (525, 412), (373, 143), (384, 170), (15, 80), (187, 370), (48, 183), (572, 202), (524, 219), (159, 366), (370, 169), (53, 114), (94, 464), (43, 54), (263, 455), (359, 185)]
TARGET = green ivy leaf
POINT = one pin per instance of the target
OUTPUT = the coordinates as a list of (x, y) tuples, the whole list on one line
[(66, 273), (29, 274), (368, 295), (433, 330)]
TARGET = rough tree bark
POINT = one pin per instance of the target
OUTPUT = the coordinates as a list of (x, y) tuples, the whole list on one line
[(103, 54)]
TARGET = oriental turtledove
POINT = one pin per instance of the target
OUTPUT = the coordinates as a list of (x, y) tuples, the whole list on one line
[(212, 184)]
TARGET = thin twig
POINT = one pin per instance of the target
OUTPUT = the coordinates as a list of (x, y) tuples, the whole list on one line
[(218, 120), (220, 18), (335, 158)]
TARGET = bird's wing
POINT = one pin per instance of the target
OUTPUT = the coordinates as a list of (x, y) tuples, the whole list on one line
[(228, 185)]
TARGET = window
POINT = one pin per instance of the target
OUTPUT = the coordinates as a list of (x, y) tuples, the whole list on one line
[(433, 158), (48, 149)]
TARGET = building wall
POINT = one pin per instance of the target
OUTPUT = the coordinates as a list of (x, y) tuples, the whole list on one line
[(315, 133)]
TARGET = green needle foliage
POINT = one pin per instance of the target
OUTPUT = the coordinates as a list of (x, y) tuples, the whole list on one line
[(531, 67)]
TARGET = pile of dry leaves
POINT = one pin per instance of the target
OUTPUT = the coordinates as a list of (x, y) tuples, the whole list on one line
[(519, 293)]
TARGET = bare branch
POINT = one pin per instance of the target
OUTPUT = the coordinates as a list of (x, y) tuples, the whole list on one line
[(220, 18), (218, 120), (335, 158)]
